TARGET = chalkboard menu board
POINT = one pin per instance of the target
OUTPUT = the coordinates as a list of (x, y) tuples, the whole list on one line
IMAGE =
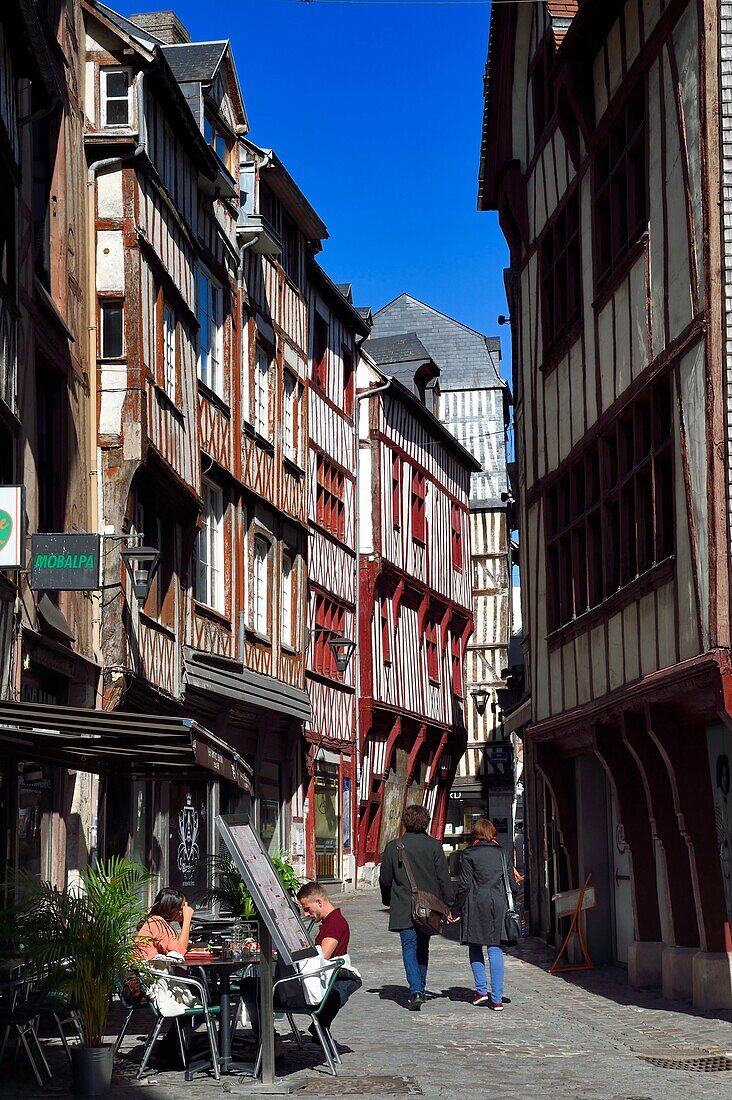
[(273, 902)]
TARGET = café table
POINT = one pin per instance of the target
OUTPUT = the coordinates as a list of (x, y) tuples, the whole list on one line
[(223, 969)]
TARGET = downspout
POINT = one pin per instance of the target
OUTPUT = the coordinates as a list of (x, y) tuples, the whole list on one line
[(96, 495), (357, 675)]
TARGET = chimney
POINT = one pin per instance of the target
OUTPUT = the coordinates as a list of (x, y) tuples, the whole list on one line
[(164, 25)]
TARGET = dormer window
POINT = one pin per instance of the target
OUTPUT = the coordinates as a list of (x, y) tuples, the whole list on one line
[(114, 91), (220, 141)]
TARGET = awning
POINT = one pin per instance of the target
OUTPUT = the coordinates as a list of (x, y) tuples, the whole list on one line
[(243, 686), (517, 718), (130, 746)]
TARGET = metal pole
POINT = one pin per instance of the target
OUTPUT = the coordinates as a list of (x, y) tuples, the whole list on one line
[(266, 1004)]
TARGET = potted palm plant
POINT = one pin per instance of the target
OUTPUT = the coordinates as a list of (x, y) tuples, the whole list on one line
[(90, 925)]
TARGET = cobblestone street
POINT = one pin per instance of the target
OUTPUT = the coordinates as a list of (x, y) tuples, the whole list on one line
[(585, 1036)]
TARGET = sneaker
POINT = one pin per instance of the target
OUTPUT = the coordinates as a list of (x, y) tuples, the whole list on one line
[(415, 1002), (481, 999), (497, 1006)]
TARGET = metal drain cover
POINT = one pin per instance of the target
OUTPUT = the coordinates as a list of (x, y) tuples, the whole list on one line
[(363, 1086), (711, 1063)]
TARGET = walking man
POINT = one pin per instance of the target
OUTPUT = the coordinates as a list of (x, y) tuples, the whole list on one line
[(429, 868)]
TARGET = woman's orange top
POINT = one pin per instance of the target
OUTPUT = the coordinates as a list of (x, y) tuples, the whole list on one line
[(156, 937)]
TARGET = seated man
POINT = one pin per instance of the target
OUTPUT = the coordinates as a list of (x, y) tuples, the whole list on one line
[(333, 937)]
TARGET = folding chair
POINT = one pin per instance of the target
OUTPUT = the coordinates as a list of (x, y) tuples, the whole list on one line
[(18, 1014), (302, 1008), (198, 1011)]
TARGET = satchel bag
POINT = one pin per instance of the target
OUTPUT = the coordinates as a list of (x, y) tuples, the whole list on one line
[(512, 921), (428, 912)]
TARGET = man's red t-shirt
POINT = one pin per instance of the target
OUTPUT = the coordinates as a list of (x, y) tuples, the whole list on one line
[(335, 927)]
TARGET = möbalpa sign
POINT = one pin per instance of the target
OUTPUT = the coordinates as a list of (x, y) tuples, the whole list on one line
[(64, 563)]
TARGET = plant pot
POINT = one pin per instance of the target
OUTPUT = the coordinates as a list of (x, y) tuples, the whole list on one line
[(92, 1068)]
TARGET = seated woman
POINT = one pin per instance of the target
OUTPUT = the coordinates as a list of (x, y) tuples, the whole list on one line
[(155, 935)]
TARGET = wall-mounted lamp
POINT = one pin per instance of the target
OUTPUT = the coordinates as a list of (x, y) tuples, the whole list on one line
[(480, 698), (343, 650), (503, 319), (141, 562)]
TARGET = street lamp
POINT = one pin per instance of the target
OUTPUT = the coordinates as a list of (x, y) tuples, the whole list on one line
[(141, 562), (343, 650), (480, 698)]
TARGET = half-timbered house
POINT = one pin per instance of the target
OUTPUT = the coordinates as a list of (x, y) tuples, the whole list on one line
[(47, 642), (473, 403), (601, 153), (332, 577), (415, 615)]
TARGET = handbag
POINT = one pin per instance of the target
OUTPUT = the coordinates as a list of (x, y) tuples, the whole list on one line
[(511, 921), (428, 912)]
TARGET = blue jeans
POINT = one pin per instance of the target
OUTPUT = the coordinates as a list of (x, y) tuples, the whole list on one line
[(416, 956), (477, 965)]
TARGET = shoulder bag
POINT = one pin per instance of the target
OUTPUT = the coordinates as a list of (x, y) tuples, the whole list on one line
[(428, 912), (512, 921)]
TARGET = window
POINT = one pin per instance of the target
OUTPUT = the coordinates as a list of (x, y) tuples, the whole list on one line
[(330, 622), (561, 273), (456, 538), (291, 249), (542, 94), (330, 511), (620, 186), (209, 333), (419, 494), (289, 417), (609, 519), (169, 351), (348, 394), (396, 490), (111, 328), (457, 664), (210, 549), (430, 646), (261, 393), (261, 586), (219, 139), (115, 97), (385, 629), (320, 351), (286, 616)]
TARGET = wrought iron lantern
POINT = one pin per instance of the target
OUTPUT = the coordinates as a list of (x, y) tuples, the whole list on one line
[(141, 562), (343, 650), (480, 698)]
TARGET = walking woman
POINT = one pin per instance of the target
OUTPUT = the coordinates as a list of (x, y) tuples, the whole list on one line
[(481, 906), (429, 867)]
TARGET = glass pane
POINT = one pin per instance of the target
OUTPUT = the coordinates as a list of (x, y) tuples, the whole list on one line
[(221, 148), (112, 314), (117, 83), (208, 130), (118, 112)]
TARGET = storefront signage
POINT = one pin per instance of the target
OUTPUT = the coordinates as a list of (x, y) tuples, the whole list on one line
[(12, 526), (64, 563), (498, 756)]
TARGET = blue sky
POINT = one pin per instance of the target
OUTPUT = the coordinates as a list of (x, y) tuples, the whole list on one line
[(376, 112)]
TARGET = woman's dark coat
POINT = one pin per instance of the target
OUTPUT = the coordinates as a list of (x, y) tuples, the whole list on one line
[(481, 897), (429, 867)]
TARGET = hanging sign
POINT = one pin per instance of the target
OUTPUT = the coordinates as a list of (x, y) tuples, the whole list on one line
[(64, 563), (12, 526)]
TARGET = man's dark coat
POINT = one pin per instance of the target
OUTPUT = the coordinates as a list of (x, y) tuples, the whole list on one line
[(429, 867)]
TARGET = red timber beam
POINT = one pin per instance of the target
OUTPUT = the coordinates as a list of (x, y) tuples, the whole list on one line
[(419, 741), (435, 762), (391, 742)]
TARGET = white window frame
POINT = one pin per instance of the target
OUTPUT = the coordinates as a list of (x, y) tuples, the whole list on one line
[(104, 98), (210, 549), (289, 416), (287, 621), (260, 587), (262, 364), (169, 350), (209, 302)]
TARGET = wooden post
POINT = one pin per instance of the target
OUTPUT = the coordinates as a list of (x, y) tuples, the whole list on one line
[(266, 1004)]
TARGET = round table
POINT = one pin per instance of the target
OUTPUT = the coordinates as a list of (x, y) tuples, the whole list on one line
[(224, 968)]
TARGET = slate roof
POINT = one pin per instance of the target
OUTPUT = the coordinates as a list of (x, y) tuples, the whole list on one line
[(146, 40), (403, 348), (467, 359), (195, 62)]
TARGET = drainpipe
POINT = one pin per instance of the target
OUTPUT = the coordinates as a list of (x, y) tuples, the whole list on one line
[(97, 510), (357, 675)]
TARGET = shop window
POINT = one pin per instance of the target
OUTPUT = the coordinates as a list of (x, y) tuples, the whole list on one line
[(561, 273), (115, 87), (320, 351), (620, 186), (419, 504), (327, 824), (609, 519)]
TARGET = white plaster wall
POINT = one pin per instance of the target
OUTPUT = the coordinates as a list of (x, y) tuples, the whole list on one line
[(110, 260), (109, 195)]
